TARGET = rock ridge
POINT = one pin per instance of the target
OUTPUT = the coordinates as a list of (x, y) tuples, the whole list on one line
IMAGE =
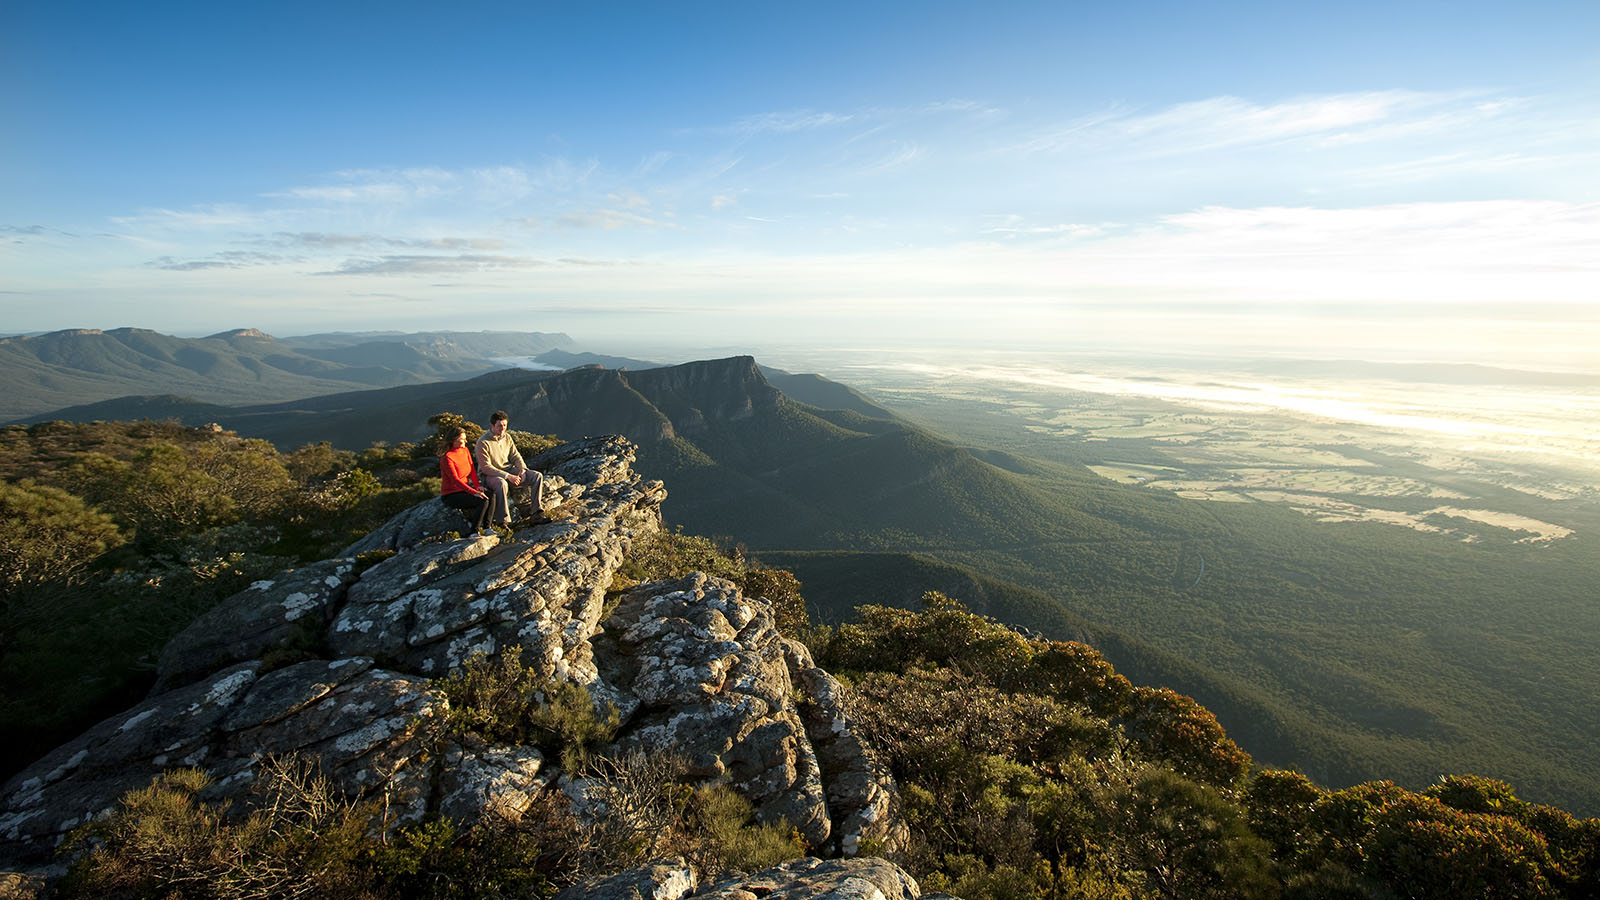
[(693, 667)]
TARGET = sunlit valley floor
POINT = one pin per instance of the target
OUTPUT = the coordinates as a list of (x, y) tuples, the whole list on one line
[(1385, 574)]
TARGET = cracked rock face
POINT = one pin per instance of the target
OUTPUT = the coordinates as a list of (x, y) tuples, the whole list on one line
[(836, 879), (693, 667), (800, 879)]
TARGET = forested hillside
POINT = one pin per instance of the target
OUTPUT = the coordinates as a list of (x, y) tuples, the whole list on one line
[(88, 367), (1026, 767), (1353, 651)]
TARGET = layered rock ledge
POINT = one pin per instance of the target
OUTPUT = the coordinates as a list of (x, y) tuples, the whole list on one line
[(693, 667)]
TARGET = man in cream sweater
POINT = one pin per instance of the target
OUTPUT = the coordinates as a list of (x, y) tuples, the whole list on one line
[(500, 468)]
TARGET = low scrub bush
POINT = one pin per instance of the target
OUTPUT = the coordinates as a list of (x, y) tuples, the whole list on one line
[(504, 702)]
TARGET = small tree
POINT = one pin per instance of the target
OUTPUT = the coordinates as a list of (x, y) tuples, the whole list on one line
[(48, 535), (781, 590), (443, 423)]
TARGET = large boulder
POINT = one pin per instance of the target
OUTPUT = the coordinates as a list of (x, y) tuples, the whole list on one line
[(361, 725), (707, 670), (810, 878), (865, 878), (267, 614)]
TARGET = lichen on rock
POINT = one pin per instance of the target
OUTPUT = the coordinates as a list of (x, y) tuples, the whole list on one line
[(691, 666)]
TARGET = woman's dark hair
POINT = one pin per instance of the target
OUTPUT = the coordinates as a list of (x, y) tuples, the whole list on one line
[(450, 436)]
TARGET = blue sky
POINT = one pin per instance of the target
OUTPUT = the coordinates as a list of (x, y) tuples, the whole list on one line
[(1360, 177)]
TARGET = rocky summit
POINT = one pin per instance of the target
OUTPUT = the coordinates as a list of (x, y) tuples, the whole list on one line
[(692, 667)]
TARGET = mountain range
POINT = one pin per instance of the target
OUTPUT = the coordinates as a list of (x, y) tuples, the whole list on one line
[(1350, 651), (40, 373)]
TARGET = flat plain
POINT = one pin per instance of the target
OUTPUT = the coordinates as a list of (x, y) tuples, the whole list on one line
[(1374, 578)]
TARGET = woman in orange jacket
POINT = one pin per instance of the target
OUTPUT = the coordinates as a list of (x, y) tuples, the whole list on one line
[(458, 481)]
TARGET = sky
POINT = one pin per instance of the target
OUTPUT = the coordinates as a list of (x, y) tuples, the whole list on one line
[(1395, 180)]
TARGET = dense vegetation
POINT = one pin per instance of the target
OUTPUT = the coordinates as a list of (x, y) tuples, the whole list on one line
[(1031, 768), (1027, 768), (1353, 651), (116, 535)]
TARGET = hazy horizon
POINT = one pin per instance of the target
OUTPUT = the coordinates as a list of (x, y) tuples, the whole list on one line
[(1410, 180)]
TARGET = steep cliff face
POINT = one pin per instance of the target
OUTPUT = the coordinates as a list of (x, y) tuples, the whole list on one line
[(693, 394), (648, 406), (693, 668), (589, 401)]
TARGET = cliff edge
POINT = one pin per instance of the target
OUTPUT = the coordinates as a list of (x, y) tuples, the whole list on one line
[(692, 668)]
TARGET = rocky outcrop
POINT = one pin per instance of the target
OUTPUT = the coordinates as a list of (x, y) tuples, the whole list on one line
[(800, 879), (705, 674), (694, 669)]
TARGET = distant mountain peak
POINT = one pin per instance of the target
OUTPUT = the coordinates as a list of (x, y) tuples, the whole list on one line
[(242, 333)]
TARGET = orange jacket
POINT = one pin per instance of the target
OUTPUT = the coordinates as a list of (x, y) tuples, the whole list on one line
[(456, 473)]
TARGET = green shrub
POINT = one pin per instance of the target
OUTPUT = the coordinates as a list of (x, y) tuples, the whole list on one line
[(504, 702), (730, 840), (673, 554), (441, 860), (781, 590), (48, 535), (530, 444), (434, 445), (943, 633), (302, 838)]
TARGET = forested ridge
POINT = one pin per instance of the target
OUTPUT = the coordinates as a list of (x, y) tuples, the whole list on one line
[(1028, 767)]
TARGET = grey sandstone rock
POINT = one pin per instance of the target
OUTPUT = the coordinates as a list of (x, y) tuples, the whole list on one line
[(361, 725), (693, 668), (864, 878), (713, 686), (669, 879), (429, 518), (264, 615), (862, 796), (501, 782), (417, 567)]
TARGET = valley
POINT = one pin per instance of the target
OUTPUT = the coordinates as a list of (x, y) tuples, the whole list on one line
[(1353, 598), (1522, 464)]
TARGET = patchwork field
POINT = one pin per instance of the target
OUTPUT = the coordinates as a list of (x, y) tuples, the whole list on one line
[(1502, 482)]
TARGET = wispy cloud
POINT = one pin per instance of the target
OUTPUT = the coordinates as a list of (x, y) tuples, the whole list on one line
[(432, 265), (897, 156), (204, 217), (319, 240), (1227, 121), (403, 298), (628, 200), (610, 220), (489, 185), (787, 122), (1013, 224), (376, 186), (1445, 165), (227, 259)]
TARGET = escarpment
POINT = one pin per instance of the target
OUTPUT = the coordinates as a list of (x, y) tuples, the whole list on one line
[(340, 662)]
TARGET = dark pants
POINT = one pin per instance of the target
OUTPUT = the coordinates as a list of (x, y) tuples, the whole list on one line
[(475, 509), (499, 490)]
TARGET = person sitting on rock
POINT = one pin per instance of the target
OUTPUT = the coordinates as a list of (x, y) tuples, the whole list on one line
[(502, 468), (458, 481)]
